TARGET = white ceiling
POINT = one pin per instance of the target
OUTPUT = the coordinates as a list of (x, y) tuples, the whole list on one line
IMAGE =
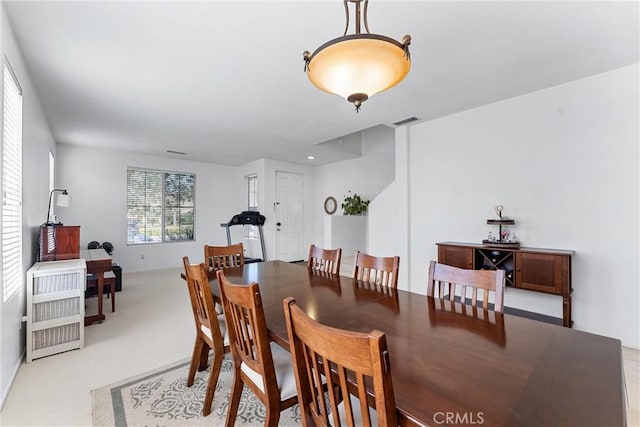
[(224, 81)]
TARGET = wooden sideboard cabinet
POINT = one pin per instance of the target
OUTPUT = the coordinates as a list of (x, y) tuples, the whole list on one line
[(533, 269), (59, 242)]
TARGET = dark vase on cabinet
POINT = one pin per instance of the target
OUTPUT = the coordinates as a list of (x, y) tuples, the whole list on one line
[(532, 269)]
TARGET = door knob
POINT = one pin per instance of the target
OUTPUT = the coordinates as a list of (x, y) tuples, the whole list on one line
[(278, 224)]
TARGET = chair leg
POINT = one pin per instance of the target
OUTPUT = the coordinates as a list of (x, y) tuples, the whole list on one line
[(112, 285), (195, 360), (204, 356), (213, 381), (272, 418), (234, 400)]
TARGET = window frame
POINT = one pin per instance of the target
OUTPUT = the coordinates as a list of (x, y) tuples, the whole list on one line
[(164, 206)]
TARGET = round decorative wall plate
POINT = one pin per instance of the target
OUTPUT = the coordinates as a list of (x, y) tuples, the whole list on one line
[(330, 205)]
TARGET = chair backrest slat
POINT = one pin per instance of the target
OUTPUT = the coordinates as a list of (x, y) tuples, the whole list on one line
[(449, 281), (380, 270)]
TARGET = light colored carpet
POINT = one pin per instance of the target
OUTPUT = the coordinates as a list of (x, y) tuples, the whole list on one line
[(162, 398)]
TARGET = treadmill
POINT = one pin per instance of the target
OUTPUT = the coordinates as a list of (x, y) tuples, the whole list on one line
[(247, 218)]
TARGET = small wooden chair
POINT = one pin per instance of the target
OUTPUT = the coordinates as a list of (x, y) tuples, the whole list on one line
[(211, 330), (109, 280), (345, 360), (217, 257), (379, 270), (262, 365), (447, 280), (327, 260)]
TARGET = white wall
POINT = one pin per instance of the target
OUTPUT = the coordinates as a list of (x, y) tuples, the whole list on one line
[(97, 182), (368, 176), (564, 163), (37, 141), (347, 232)]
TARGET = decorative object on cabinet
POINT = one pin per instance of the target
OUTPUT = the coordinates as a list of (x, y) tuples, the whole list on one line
[(63, 200), (503, 239), (353, 204), (55, 307), (330, 205), (532, 269), (59, 242)]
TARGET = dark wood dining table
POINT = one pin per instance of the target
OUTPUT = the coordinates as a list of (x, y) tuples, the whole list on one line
[(452, 365)]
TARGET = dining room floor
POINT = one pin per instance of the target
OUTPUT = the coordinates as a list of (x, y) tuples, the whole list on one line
[(152, 327)]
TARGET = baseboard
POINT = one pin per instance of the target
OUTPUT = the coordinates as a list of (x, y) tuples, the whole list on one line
[(5, 393), (534, 316)]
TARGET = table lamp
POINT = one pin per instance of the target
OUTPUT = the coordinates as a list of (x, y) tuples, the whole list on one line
[(63, 200)]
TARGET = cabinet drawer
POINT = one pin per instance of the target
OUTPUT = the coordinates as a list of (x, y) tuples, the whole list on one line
[(543, 272), (455, 256)]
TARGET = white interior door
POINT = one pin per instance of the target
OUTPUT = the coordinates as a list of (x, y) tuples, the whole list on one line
[(289, 216)]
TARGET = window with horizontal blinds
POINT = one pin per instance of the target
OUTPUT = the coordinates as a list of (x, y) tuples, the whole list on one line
[(252, 203), (252, 186), (160, 206), (11, 186)]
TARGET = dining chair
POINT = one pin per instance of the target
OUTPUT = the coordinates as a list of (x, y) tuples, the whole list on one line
[(380, 270), (211, 330), (217, 257), (263, 366), (447, 281), (327, 260), (108, 286), (347, 361)]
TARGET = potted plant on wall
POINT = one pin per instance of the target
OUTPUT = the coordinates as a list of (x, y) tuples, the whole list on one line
[(353, 204)]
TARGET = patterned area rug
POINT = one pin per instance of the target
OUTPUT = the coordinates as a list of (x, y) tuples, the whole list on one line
[(162, 398)]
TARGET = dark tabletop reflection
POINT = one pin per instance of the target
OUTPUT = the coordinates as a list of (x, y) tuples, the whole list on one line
[(484, 323), (382, 295), (323, 279)]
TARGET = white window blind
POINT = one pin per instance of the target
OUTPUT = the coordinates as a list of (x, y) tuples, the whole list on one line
[(252, 186), (11, 187), (252, 203), (160, 206)]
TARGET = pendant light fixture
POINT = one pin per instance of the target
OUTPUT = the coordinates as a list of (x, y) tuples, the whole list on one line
[(359, 65)]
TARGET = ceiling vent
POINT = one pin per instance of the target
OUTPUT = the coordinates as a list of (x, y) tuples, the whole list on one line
[(405, 121), (176, 152)]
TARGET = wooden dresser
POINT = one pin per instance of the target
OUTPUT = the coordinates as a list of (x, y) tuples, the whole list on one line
[(59, 242), (533, 269)]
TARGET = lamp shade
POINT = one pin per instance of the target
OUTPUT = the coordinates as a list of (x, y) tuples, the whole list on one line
[(63, 200), (359, 64)]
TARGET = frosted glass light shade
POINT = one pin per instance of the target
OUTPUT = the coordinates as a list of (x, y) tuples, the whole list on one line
[(358, 64), (63, 200)]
